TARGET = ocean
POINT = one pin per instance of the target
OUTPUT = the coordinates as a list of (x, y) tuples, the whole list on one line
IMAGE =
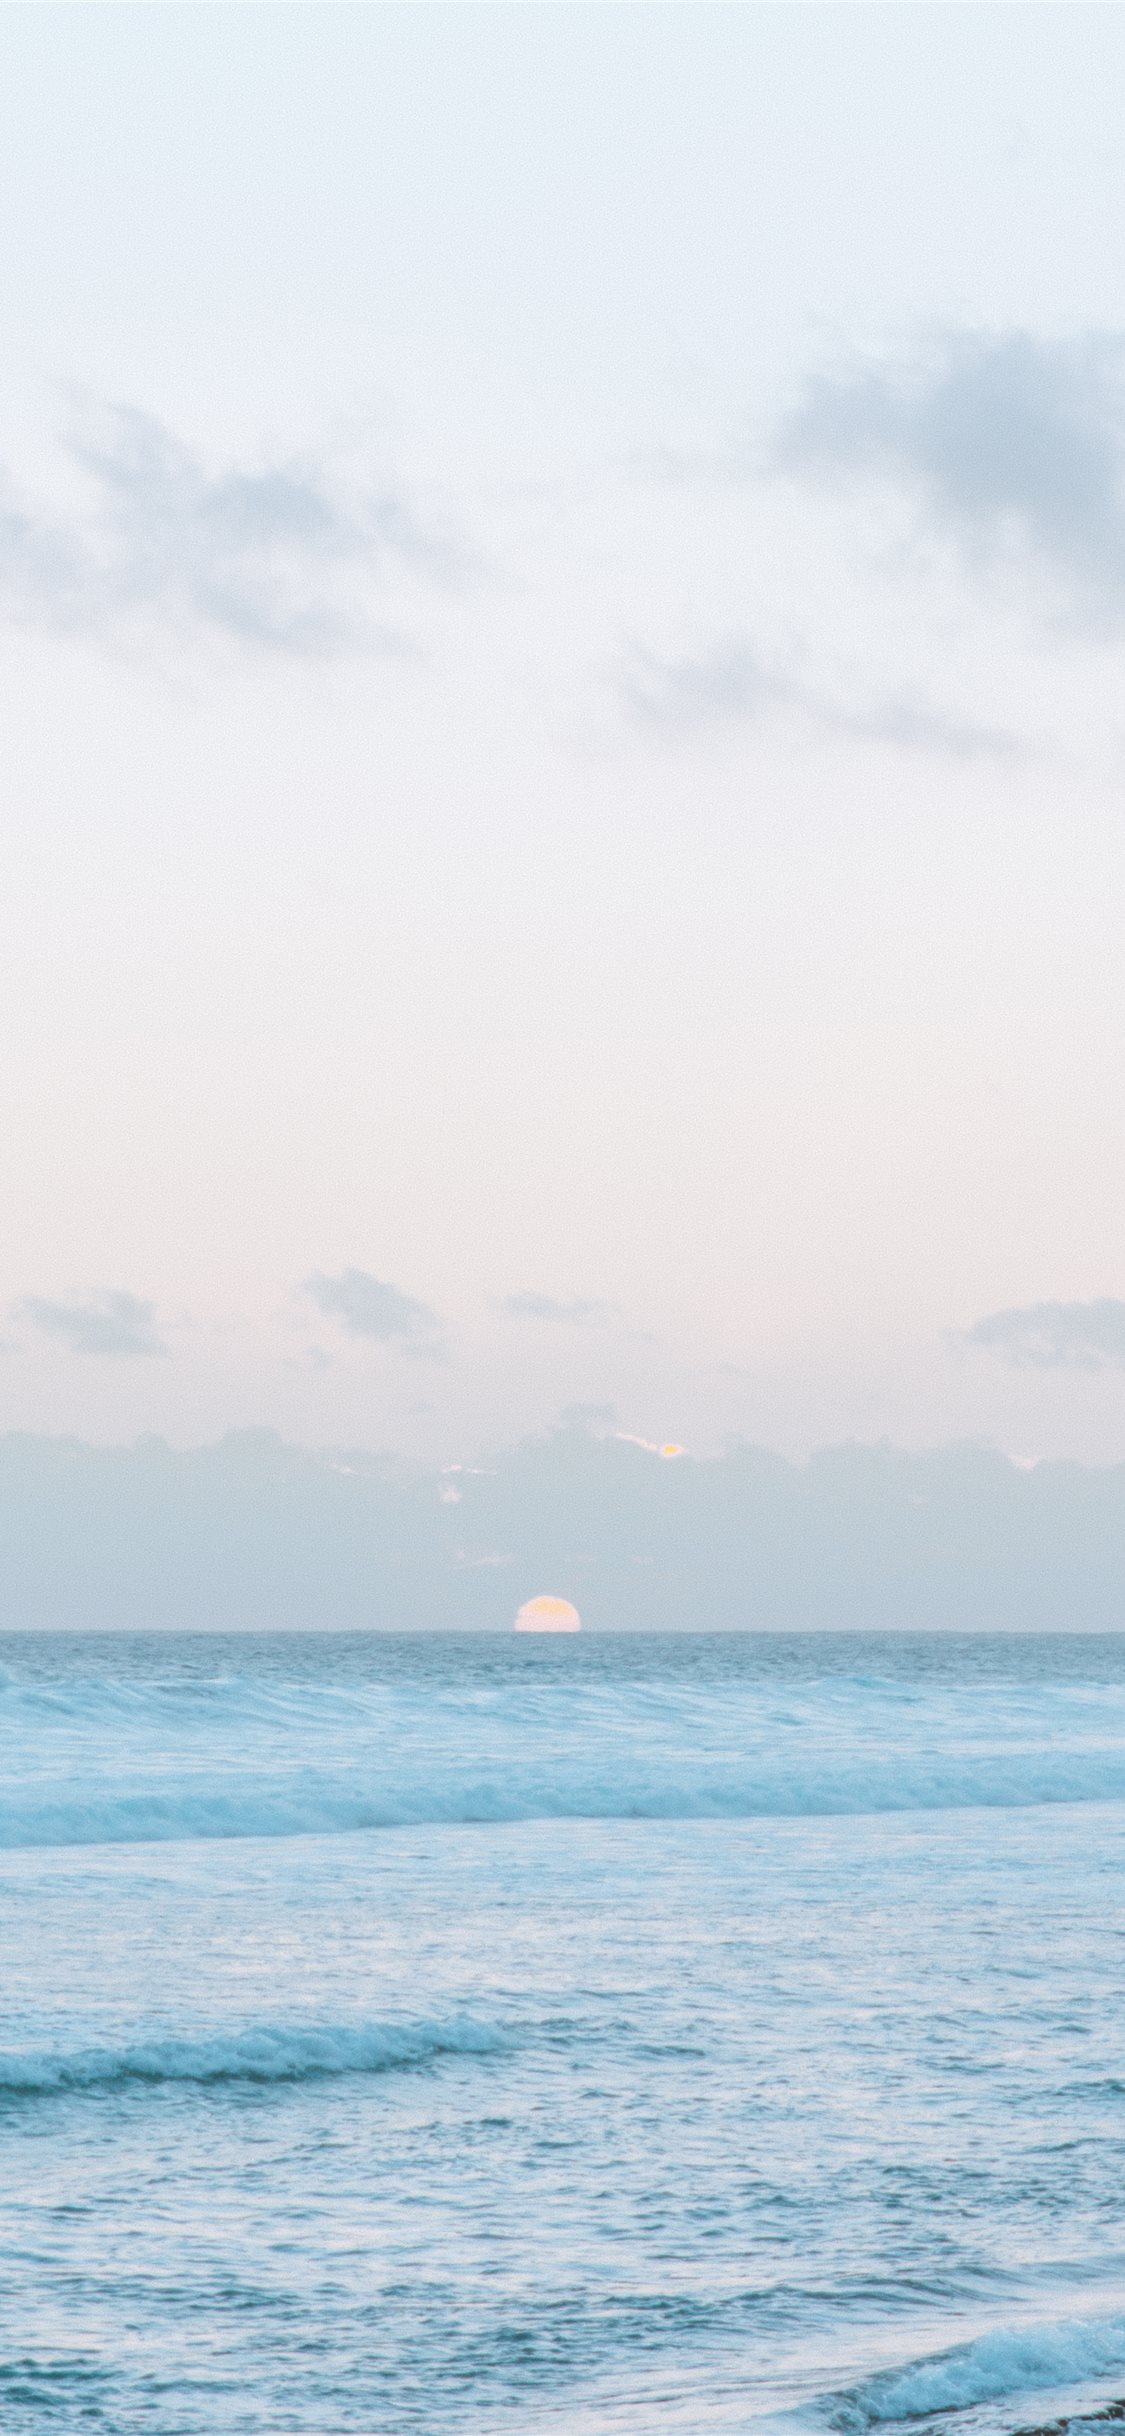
[(466, 2034)]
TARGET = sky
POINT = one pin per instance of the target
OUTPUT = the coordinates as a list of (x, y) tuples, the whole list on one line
[(562, 597)]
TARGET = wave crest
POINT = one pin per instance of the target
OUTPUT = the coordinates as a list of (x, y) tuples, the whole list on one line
[(341, 1804), (267, 2053), (97, 1763), (1007, 2361)]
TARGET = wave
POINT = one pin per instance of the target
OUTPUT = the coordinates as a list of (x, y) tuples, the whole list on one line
[(104, 1763), (306, 1804), (269, 2053), (1006, 2362)]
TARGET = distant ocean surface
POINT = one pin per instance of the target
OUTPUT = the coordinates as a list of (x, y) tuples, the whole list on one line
[(454, 2034)]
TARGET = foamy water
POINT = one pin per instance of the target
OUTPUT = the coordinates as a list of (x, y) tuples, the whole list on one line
[(627, 2034)]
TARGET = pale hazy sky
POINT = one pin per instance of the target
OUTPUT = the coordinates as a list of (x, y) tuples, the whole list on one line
[(562, 576)]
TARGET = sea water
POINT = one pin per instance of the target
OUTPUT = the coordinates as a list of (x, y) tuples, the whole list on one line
[(464, 2034)]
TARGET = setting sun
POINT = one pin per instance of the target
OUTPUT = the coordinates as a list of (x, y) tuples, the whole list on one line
[(546, 1614)]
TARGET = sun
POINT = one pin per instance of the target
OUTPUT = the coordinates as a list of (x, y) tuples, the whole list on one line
[(547, 1614)]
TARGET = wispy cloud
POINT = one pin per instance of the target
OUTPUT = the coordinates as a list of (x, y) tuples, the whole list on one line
[(918, 726), (1008, 442), (111, 1323), (726, 681), (576, 1311), (277, 554), (1078, 1336), (674, 695), (367, 1306), (40, 564)]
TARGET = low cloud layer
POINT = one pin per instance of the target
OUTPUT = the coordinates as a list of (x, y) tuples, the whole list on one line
[(1009, 443), (276, 554), (114, 1324), (366, 1306), (1075, 1336), (253, 1533)]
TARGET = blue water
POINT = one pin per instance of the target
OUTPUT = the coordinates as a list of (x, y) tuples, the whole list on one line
[(648, 2034)]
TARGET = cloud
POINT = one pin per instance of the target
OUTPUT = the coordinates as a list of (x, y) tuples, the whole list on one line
[(366, 1306), (728, 681), (275, 554), (732, 682), (1050, 1336), (917, 726), (576, 1312), (1012, 444), (117, 1324), (668, 1448), (257, 1534), (40, 567)]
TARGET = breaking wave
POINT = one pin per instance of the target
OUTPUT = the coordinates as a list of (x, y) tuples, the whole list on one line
[(107, 1763), (304, 1805), (1007, 2362), (266, 2054)]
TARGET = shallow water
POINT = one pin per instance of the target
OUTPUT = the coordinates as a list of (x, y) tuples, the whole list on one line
[(635, 2033)]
